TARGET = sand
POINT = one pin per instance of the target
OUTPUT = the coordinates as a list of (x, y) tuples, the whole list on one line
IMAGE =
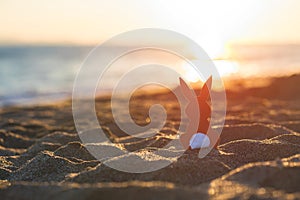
[(42, 157)]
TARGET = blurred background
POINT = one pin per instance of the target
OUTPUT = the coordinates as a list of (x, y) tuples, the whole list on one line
[(43, 43)]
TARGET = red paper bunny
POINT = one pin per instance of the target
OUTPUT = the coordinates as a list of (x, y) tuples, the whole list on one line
[(203, 106)]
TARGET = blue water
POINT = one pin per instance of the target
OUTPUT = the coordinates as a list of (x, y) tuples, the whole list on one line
[(38, 74)]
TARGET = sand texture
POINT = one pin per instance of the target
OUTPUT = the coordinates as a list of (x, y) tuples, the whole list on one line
[(41, 155)]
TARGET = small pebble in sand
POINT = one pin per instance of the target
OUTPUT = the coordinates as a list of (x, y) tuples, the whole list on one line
[(199, 140)]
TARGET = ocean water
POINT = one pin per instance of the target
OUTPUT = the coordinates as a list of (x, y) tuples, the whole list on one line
[(266, 60), (38, 74)]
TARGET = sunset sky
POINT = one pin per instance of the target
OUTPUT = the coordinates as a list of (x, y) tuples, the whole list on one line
[(212, 23)]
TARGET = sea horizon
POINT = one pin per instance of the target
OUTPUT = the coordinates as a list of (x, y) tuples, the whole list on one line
[(44, 73)]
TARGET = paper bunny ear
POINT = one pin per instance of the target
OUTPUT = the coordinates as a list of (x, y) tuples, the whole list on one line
[(206, 88), (185, 89), (204, 106)]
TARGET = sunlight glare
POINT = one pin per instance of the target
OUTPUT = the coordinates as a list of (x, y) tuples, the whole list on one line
[(226, 67)]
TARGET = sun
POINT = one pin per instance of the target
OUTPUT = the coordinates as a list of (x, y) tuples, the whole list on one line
[(225, 68)]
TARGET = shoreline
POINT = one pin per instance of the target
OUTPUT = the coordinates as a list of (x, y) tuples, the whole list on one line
[(236, 87)]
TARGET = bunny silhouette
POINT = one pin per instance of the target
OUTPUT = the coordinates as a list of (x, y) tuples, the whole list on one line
[(202, 101)]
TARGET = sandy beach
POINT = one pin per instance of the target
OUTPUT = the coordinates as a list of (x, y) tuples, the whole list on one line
[(258, 157), (150, 100)]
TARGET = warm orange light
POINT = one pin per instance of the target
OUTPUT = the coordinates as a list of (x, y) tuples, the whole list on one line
[(226, 67)]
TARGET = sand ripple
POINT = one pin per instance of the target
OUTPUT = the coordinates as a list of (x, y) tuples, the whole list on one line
[(41, 156)]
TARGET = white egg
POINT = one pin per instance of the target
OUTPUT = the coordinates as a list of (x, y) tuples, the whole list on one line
[(199, 140)]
